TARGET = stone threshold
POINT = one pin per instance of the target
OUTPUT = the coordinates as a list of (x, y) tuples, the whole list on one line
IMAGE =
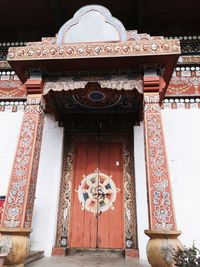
[(33, 256)]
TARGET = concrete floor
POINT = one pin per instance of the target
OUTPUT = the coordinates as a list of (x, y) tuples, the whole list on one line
[(85, 260)]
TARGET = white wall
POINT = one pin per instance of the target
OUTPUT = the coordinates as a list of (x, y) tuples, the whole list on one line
[(86, 29), (9, 132), (48, 187), (141, 190), (182, 132)]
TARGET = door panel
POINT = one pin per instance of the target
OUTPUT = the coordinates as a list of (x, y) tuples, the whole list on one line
[(90, 222), (110, 233), (95, 220)]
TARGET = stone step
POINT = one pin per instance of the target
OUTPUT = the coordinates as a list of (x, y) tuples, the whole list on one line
[(97, 252), (33, 256)]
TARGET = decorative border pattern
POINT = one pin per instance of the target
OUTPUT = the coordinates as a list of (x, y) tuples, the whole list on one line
[(181, 103), (19, 202), (6, 106), (65, 196), (129, 199), (187, 71), (160, 200), (172, 103), (129, 48), (184, 86), (189, 59), (11, 88)]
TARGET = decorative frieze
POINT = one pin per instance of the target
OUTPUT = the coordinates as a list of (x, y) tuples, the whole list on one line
[(115, 82), (181, 103), (4, 46), (180, 85), (189, 44), (186, 71), (185, 37), (93, 50), (8, 75), (19, 201), (161, 213), (12, 106), (189, 59), (11, 87), (8, 44)]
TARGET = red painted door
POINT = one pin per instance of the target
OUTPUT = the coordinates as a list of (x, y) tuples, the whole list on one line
[(97, 205)]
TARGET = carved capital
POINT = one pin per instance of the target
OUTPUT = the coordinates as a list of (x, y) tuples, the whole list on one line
[(34, 86), (153, 83), (35, 104), (151, 102)]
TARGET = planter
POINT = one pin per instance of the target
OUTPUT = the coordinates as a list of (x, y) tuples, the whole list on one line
[(161, 246), (20, 245), (2, 258)]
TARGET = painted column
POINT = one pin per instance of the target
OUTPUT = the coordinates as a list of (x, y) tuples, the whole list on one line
[(162, 223), (18, 208)]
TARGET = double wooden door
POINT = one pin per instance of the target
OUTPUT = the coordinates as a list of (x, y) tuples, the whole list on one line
[(97, 198)]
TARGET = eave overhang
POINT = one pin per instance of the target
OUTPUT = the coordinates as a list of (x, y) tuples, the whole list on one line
[(139, 55)]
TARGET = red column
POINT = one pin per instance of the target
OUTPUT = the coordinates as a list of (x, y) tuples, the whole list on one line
[(161, 210), (162, 224), (18, 205)]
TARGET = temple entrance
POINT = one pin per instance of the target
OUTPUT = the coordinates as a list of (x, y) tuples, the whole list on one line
[(97, 201), (97, 207)]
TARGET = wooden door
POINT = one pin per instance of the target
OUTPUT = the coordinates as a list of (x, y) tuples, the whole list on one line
[(97, 205)]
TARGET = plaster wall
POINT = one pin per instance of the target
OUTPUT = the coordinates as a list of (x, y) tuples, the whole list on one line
[(85, 24), (85, 30), (141, 191), (182, 134), (48, 187), (9, 132)]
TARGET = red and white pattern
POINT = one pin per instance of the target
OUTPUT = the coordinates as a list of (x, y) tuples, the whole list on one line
[(19, 202), (159, 191), (184, 86), (11, 88)]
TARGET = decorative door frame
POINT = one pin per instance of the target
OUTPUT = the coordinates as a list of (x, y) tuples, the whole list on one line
[(64, 216)]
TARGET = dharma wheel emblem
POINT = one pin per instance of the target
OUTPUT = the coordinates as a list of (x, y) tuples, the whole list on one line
[(97, 192)]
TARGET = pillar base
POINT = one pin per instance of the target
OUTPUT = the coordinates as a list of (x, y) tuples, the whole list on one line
[(161, 246), (131, 253), (60, 251), (20, 245)]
